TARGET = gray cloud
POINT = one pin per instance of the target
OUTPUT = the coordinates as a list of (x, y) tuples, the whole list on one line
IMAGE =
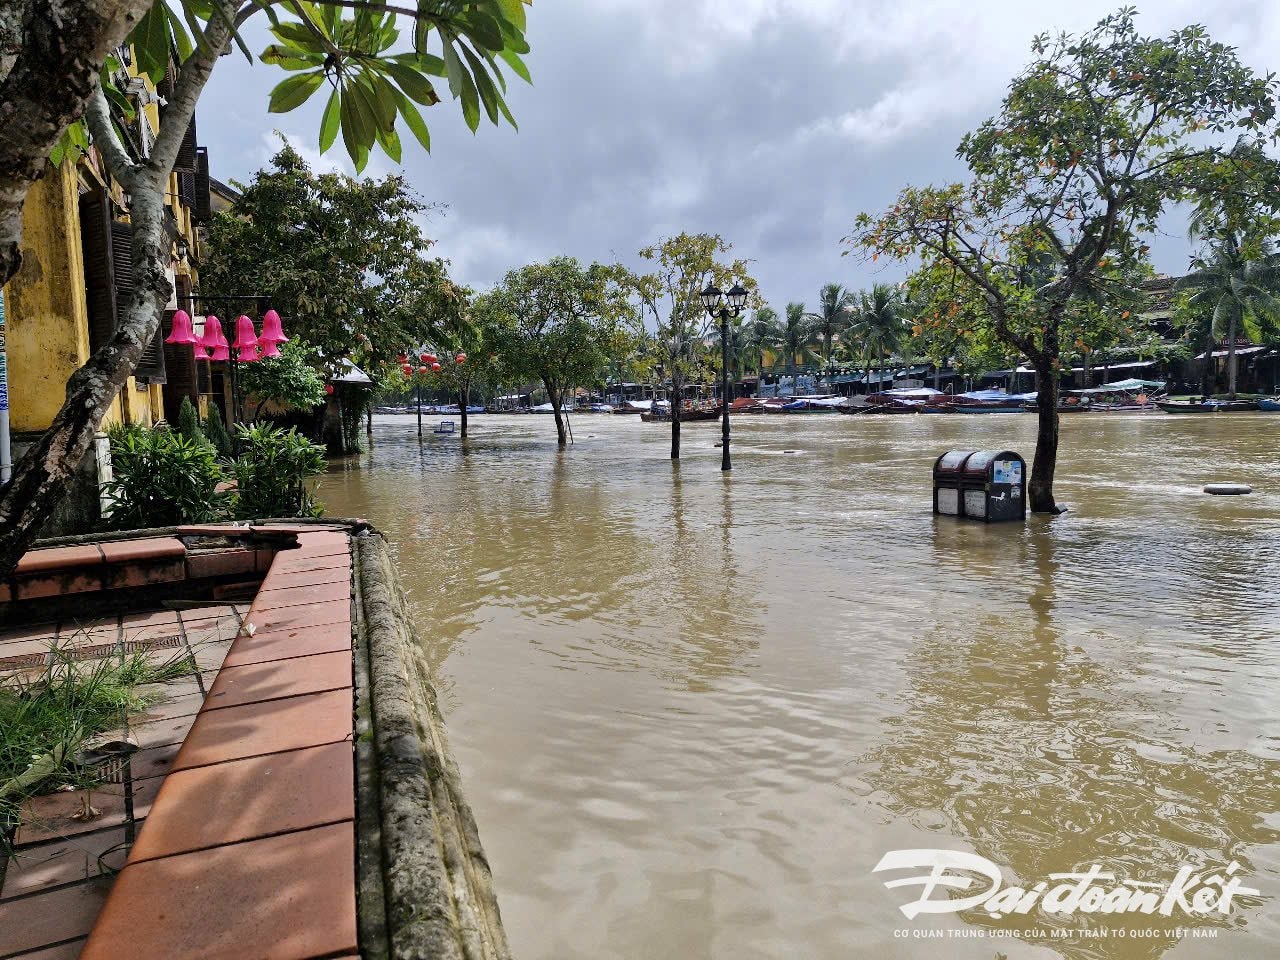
[(773, 123)]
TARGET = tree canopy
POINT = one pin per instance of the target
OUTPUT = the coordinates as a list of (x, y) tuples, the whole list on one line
[(1095, 139)]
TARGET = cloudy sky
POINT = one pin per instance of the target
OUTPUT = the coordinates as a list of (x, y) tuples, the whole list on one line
[(771, 122)]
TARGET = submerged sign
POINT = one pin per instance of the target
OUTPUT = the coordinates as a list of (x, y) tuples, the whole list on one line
[(1193, 893)]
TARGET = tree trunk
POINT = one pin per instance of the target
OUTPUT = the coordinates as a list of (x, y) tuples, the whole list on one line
[(46, 469), (1208, 368), (1040, 494), (462, 409), (562, 436), (677, 390), (60, 49)]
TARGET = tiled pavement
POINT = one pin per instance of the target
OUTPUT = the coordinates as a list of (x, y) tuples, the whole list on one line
[(247, 849)]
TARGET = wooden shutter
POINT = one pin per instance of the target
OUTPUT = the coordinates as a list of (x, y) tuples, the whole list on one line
[(96, 238), (187, 152), (202, 207), (187, 189)]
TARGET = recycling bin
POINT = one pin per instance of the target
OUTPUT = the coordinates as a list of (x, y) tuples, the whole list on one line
[(946, 482), (993, 486)]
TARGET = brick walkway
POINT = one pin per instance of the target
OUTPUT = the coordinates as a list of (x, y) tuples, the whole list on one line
[(248, 844)]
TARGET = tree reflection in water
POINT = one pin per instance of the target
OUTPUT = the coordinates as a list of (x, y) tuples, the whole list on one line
[(1031, 755)]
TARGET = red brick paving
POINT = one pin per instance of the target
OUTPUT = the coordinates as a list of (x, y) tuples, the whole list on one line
[(247, 849)]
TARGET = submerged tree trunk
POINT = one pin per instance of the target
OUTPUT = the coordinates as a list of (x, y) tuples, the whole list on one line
[(462, 409), (1231, 359), (1040, 489), (553, 394), (677, 388)]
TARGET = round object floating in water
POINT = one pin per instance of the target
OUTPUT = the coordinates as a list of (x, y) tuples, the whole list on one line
[(1227, 489)]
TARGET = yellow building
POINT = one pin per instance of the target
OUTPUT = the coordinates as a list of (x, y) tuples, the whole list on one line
[(76, 272)]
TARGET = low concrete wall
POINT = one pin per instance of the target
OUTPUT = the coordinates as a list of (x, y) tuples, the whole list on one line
[(424, 886)]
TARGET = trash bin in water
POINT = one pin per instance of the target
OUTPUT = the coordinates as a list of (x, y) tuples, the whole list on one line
[(946, 482), (993, 486)]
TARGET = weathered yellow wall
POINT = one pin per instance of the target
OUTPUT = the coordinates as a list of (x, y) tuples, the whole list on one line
[(48, 325)]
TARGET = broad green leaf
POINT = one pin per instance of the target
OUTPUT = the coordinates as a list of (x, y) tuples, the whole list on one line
[(296, 34), (413, 120), (517, 65), (454, 69), (180, 38), (413, 83), (483, 30), (290, 58), (427, 63), (150, 39), (331, 121), (514, 10), (389, 140), (292, 92), (488, 95)]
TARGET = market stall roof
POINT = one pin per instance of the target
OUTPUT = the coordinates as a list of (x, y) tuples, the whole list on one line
[(1127, 365), (350, 373)]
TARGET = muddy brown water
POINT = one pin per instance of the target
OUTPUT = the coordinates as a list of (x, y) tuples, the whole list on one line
[(693, 712)]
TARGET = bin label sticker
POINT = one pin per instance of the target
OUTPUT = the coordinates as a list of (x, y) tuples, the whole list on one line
[(1007, 471)]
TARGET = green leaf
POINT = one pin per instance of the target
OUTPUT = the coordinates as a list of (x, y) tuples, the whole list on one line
[(290, 58), (488, 95), (389, 140), (150, 39), (413, 120), (297, 35), (427, 63), (331, 121), (514, 10), (292, 92), (517, 65), (413, 83), (180, 38), (483, 30), (454, 69)]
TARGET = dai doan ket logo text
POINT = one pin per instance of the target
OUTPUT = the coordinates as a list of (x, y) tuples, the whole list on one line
[(1195, 894)]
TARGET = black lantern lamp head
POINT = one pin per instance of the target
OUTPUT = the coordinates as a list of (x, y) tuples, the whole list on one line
[(737, 297), (711, 298), (184, 249)]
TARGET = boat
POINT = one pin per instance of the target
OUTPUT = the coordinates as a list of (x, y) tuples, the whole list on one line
[(694, 415), (1207, 406), (987, 408), (635, 407), (1269, 404), (814, 405)]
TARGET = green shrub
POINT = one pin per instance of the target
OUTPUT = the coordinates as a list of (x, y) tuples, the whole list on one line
[(189, 423), (161, 478), (271, 473), (216, 431)]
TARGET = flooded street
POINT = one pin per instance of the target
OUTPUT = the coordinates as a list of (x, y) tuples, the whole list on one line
[(693, 712)]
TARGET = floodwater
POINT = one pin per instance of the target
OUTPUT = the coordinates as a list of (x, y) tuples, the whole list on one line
[(694, 711)]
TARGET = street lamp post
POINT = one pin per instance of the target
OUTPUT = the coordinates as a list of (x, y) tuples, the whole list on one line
[(722, 306)]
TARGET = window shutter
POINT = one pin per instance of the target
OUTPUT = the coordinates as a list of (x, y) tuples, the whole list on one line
[(187, 189), (187, 152), (202, 208), (100, 291)]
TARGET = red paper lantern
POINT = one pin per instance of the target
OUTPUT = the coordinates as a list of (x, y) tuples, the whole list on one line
[(408, 370), (461, 358), (422, 369), (435, 367), (425, 358), (403, 358), (328, 389)]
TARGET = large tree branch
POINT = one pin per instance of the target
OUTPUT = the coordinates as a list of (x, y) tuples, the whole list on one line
[(50, 78), (118, 162)]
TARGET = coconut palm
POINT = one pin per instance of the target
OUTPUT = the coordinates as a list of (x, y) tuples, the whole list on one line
[(879, 325), (761, 334), (833, 317), (795, 338), (1240, 285)]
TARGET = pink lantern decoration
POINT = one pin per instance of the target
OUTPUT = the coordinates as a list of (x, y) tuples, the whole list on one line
[(272, 332), (182, 332), (246, 340), (269, 349), (214, 341), (435, 367)]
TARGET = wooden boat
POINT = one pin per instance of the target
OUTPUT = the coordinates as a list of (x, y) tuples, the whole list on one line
[(988, 408), (1269, 404), (1207, 406), (695, 415)]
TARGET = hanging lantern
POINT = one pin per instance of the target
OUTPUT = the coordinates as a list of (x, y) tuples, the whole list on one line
[(214, 341), (402, 358), (269, 349), (435, 367), (408, 370), (461, 358), (246, 340), (182, 332), (428, 358), (422, 369), (328, 389), (272, 333)]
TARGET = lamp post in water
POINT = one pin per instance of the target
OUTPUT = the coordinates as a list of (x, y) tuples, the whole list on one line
[(722, 306)]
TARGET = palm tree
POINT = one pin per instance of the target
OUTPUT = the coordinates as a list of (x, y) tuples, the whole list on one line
[(761, 334), (833, 316), (796, 338), (1240, 286), (879, 324)]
